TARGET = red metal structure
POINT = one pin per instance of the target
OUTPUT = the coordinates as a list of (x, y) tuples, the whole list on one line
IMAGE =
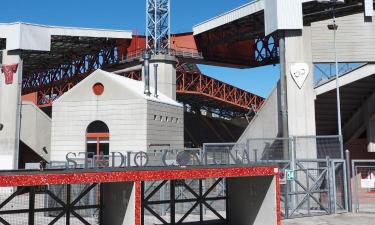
[(33, 183), (193, 87)]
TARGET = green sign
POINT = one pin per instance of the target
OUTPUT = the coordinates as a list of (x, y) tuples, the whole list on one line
[(289, 175)]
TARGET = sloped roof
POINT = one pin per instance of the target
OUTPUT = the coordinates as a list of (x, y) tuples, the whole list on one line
[(134, 86)]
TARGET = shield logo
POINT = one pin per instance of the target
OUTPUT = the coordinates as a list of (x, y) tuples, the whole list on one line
[(299, 72), (8, 71)]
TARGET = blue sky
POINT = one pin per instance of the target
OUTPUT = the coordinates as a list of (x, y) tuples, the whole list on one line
[(130, 15)]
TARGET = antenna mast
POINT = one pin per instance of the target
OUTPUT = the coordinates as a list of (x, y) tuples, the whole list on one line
[(158, 26)]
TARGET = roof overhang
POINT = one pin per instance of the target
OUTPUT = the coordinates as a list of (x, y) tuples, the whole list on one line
[(35, 37), (238, 38), (355, 88), (227, 17), (313, 10)]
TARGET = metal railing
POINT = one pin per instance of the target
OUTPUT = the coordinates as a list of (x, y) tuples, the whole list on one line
[(188, 53)]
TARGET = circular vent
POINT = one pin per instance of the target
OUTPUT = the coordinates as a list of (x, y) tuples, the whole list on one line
[(98, 89)]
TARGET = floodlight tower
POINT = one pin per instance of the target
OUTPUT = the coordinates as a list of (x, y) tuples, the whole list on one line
[(158, 26)]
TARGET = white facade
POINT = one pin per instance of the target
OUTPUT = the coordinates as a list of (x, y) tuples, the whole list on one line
[(135, 120)]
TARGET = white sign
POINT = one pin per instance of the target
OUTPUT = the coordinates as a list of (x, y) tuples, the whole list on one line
[(299, 72), (367, 183)]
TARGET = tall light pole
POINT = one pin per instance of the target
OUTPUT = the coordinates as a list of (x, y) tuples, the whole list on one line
[(334, 27)]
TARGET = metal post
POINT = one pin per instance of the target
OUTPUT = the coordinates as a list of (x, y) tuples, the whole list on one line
[(283, 93), (146, 65), (200, 201), (334, 27), (143, 202), (68, 199), (356, 199), (101, 202), (156, 80), (348, 181), (31, 206), (19, 112), (173, 201)]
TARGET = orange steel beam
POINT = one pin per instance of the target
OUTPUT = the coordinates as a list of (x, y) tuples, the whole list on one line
[(200, 84)]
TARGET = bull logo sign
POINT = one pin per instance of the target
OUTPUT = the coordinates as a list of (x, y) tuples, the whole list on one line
[(8, 71), (299, 72)]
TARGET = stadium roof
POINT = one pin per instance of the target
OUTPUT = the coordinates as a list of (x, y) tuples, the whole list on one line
[(44, 45)]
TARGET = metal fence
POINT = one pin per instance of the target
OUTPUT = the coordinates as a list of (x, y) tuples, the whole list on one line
[(188, 201), (319, 183), (52, 204), (363, 185)]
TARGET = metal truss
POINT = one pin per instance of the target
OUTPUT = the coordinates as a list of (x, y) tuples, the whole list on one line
[(267, 49), (68, 206), (326, 71), (202, 198), (239, 46), (157, 25), (200, 84), (192, 85), (53, 82)]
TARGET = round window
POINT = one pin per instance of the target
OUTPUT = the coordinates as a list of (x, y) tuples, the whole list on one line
[(98, 89)]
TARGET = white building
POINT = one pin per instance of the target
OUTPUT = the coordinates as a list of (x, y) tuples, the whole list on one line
[(110, 113)]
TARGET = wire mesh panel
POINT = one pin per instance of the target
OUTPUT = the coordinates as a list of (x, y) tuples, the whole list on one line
[(308, 193), (54, 204), (319, 147), (225, 154), (183, 201), (263, 149), (340, 184), (363, 184)]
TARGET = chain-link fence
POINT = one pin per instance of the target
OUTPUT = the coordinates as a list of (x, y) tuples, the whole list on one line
[(363, 185), (318, 184)]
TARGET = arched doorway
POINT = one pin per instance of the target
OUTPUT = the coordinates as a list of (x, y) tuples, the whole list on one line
[(97, 138)]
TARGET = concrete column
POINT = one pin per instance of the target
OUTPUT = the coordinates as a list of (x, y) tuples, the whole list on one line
[(252, 201), (119, 203), (300, 100), (10, 95), (166, 75), (371, 135)]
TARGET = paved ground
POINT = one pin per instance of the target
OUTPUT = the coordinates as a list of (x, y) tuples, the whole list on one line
[(340, 219)]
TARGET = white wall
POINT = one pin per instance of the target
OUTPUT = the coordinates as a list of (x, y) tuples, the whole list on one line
[(126, 120), (9, 96), (355, 40), (36, 129), (128, 114)]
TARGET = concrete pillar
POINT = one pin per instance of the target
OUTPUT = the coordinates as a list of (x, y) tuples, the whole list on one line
[(10, 95), (166, 75), (371, 135), (252, 201), (300, 99), (119, 203)]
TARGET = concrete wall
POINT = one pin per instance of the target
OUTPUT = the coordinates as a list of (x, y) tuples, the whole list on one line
[(166, 75), (130, 117), (9, 113), (300, 101), (165, 125), (36, 129), (125, 119), (355, 40), (252, 201), (119, 203), (265, 124)]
